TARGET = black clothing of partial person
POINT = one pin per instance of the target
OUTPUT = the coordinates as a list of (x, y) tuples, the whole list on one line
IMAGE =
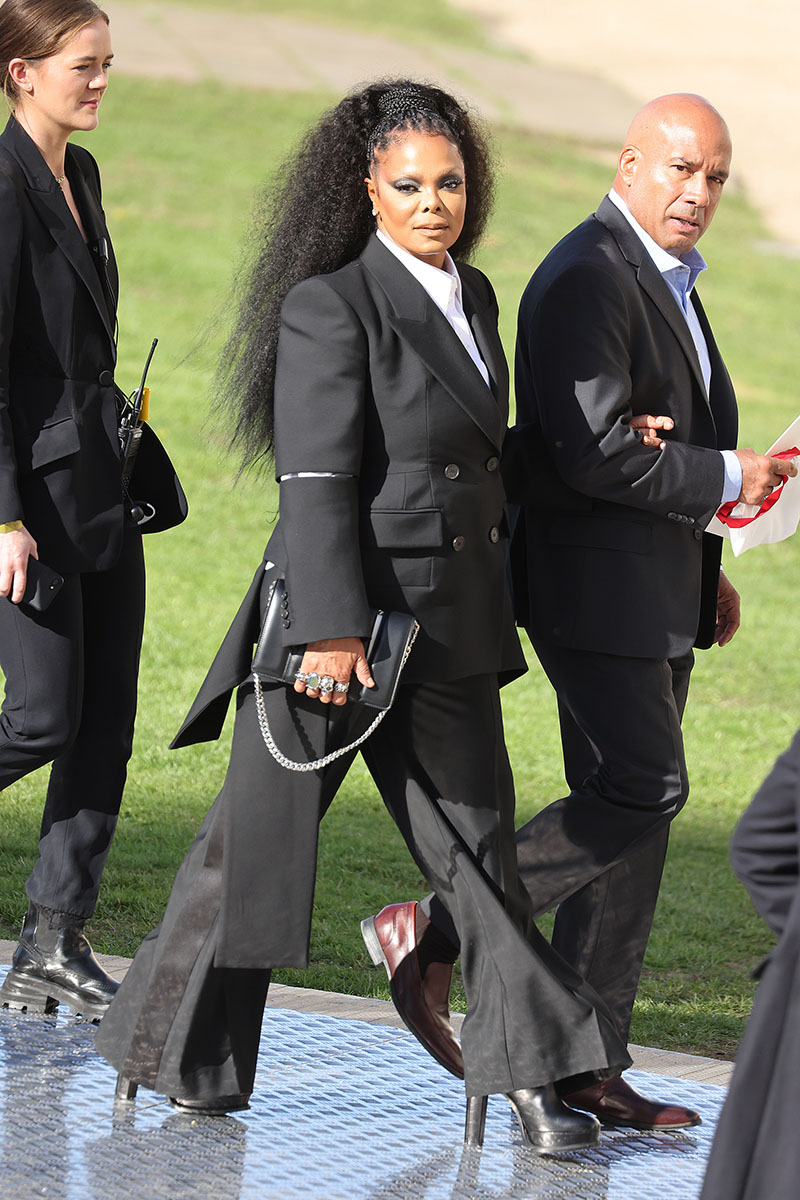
[(376, 395), (60, 473), (755, 1154), (613, 578)]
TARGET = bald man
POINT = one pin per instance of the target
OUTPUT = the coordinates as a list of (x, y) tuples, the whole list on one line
[(614, 577)]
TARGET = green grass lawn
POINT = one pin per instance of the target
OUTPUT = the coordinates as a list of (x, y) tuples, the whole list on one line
[(180, 166)]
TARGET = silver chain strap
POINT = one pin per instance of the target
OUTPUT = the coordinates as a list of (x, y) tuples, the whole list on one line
[(327, 759), (318, 763)]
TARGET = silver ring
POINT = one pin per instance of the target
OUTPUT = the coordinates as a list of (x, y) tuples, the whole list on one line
[(312, 681), (326, 685), (341, 687), (300, 676)]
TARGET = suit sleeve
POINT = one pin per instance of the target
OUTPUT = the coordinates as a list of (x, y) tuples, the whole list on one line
[(320, 382), (10, 254), (574, 379)]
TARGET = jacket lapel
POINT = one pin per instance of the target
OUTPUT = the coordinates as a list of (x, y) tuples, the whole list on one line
[(95, 225), (484, 328), (723, 397), (650, 281), (415, 317), (50, 205)]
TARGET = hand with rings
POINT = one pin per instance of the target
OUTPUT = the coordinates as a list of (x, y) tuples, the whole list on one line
[(327, 666)]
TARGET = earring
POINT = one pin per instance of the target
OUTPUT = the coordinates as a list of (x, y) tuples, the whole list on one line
[(374, 212)]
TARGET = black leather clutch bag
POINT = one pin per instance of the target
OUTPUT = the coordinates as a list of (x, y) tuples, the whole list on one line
[(387, 648)]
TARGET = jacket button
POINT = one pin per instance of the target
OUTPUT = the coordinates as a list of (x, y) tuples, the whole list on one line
[(459, 542), (452, 471), (106, 378), (494, 534), (492, 463), (286, 622), (673, 516), (698, 533)]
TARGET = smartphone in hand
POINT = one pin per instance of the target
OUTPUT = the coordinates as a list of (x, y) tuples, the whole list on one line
[(41, 586)]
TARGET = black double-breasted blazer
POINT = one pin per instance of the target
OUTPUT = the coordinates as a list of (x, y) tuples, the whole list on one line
[(60, 468), (391, 440), (610, 554)]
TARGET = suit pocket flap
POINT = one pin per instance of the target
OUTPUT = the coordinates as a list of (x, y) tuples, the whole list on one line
[(603, 533), (54, 442), (406, 530)]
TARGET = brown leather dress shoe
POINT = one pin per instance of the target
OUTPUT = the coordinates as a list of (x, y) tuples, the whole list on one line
[(423, 1003), (615, 1102)]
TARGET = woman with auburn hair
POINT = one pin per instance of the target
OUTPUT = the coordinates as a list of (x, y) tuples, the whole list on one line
[(367, 363), (63, 511)]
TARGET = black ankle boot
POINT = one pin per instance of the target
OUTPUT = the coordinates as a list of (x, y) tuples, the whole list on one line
[(53, 964), (545, 1122)]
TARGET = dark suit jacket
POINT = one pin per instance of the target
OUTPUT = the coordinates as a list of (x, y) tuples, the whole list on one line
[(374, 386), (609, 554), (59, 452), (756, 1151)]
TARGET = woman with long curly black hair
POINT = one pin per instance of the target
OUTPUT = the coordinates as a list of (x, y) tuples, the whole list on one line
[(369, 365)]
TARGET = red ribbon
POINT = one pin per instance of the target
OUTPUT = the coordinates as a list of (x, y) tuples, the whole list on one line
[(724, 514)]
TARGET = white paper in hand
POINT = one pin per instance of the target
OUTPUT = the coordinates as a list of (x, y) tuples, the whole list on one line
[(776, 523)]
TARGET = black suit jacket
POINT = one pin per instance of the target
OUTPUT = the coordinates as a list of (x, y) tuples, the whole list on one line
[(374, 387), (609, 554), (59, 451)]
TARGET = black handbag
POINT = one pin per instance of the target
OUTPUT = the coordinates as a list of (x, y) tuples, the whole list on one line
[(387, 649), (154, 496)]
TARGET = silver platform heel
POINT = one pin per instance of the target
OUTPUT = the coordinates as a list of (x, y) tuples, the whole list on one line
[(476, 1120), (126, 1089)]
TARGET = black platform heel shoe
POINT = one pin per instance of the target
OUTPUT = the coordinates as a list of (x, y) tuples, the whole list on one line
[(547, 1125)]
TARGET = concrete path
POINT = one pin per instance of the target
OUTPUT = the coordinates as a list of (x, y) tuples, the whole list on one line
[(584, 69), (170, 41), (744, 57)]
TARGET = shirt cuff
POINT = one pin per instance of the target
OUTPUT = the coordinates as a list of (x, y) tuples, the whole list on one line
[(733, 476)]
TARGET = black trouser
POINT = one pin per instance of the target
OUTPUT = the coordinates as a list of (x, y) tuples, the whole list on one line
[(756, 1152), (70, 699), (184, 1025), (598, 853)]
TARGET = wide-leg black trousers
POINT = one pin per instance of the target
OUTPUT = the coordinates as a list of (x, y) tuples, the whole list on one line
[(71, 677), (186, 1025), (597, 854)]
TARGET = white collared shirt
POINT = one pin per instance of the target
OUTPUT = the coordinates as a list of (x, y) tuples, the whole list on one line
[(444, 289), (680, 275)]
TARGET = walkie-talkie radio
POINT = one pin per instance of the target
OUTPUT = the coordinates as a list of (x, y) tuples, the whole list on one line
[(134, 410)]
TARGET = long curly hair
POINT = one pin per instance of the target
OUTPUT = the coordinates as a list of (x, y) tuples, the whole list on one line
[(316, 217)]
